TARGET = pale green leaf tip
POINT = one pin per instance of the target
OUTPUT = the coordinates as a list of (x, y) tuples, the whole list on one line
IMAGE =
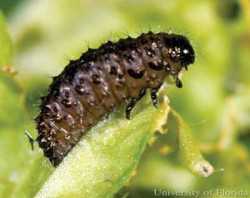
[(189, 150), (202, 168)]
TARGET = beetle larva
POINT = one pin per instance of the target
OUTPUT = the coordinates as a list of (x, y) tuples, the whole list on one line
[(102, 79)]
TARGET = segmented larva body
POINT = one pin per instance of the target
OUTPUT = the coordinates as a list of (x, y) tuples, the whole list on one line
[(102, 79)]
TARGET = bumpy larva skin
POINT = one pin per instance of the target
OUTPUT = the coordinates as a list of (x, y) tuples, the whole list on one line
[(102, 79)]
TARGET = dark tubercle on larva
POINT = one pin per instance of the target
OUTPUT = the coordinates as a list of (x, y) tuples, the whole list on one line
[(102, 79)]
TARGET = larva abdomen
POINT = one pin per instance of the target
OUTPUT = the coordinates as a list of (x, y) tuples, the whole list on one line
[(102, 79)]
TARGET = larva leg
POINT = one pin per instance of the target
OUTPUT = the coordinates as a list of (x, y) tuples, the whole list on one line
[(154, 97), (132, 102), (178, 83)]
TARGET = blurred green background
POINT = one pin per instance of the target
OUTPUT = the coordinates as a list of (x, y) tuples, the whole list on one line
[(214, 101)]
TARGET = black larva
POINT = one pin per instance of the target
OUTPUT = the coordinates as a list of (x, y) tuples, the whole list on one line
[(103, 78)]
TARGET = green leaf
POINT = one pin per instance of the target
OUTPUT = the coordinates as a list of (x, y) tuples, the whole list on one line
[(189, 149), (105, 159), (5, 44)]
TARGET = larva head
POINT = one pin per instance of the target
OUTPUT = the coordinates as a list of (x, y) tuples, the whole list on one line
[(179, 53), (179, 50)]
